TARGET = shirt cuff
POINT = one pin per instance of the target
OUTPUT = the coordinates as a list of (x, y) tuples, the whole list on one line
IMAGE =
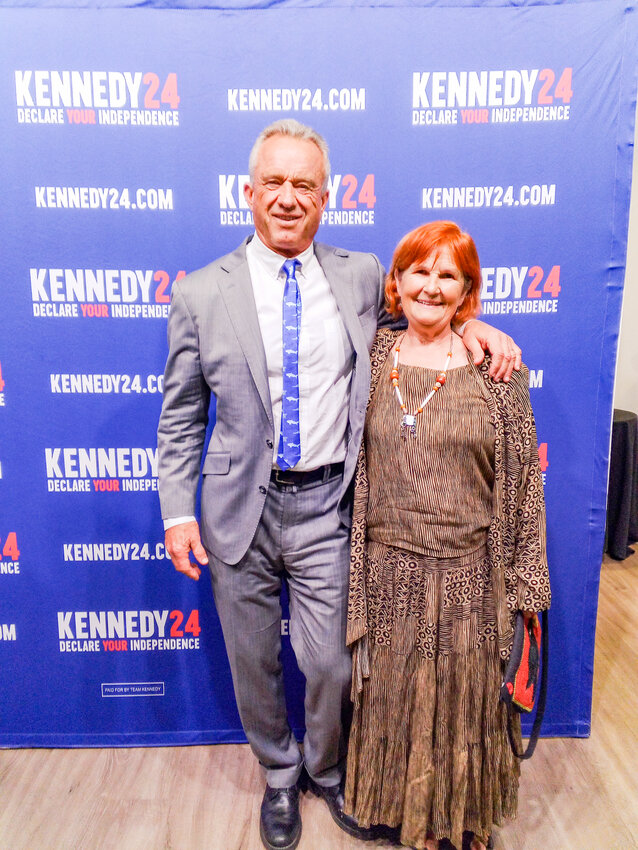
[(460, 329), (177, 520)]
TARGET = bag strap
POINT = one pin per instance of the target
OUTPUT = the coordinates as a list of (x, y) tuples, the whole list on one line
[(542, 698)]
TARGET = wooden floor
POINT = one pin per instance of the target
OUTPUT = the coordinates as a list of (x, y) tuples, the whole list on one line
[(574, 793)]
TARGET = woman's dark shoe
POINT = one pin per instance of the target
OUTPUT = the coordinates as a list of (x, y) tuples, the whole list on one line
[(467, 841)]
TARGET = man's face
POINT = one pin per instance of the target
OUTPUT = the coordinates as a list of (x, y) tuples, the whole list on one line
[(286, 197)]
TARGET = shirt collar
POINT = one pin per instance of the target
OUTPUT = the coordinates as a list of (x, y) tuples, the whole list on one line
[(273, 261)]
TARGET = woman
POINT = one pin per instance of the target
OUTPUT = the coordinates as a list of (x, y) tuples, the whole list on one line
[(448, 542)]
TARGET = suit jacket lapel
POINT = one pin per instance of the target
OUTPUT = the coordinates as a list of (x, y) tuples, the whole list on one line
[(339, 276), (237, 292)]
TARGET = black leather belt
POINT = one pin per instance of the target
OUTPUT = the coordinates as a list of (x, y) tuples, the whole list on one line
[(290, 477)]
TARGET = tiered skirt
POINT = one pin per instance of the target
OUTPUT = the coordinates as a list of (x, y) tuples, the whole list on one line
[(429, 751)]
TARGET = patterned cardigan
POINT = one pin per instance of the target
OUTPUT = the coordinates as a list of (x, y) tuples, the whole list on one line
[(516, 535)]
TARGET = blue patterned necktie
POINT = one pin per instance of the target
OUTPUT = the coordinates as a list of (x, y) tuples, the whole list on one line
[(289, 450)]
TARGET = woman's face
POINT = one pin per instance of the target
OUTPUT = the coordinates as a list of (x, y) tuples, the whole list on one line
[(431, 291)]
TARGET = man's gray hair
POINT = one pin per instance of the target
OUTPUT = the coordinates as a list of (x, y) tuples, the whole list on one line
[(296, 130)]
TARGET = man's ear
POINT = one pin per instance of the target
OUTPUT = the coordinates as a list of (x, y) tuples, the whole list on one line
[(248, 194)]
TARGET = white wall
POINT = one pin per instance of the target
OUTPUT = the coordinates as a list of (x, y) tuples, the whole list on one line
[(626, 389)]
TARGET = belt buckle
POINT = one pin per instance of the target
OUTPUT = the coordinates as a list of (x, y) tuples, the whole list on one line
[(282, 481)]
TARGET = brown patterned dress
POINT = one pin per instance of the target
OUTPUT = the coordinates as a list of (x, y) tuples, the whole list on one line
[(435, 579)]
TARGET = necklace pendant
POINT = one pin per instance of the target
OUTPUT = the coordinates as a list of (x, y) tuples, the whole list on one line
[(408, 425)]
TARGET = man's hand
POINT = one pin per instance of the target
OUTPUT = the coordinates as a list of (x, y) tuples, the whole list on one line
[(180, 541), (479, 337)]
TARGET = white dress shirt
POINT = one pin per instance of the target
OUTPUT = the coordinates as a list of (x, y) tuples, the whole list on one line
[(325, 353), (325, 356)]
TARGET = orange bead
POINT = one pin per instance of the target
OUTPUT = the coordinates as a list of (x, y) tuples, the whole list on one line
[(440, 379)]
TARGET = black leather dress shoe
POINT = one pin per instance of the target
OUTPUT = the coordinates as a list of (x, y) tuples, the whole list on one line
[(333, 795), (280, 824)]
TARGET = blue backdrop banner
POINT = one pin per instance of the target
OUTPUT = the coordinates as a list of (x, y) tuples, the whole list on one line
[(126, 135)]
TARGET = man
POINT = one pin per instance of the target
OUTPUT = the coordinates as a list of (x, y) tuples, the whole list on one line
[(279, 331)]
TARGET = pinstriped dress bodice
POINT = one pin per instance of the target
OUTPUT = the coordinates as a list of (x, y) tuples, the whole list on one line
[(431, 493)]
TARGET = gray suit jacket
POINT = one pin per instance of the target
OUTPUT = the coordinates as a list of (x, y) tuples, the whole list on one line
[(215, 346)]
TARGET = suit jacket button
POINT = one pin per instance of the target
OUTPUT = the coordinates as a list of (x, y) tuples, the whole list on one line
[(269, 443), (262, 489)]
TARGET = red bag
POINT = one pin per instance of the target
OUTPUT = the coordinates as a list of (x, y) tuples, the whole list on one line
[(520, 684), (521, 676)]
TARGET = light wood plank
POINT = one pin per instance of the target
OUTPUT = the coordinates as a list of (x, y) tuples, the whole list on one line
[(574, 793)]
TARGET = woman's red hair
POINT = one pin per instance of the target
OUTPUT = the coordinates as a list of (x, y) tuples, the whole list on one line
[(418, 245)]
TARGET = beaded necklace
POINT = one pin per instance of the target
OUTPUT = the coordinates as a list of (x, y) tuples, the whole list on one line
[(408, 421)]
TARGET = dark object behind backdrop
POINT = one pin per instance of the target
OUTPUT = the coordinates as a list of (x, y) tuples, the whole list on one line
[(126, 136)]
